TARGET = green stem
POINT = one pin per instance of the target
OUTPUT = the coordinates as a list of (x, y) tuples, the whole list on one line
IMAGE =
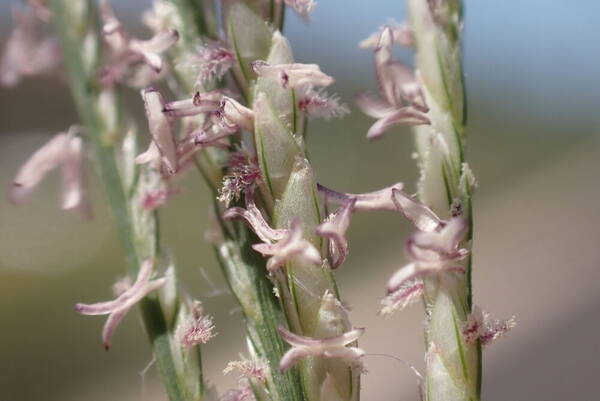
[(241, 265), (85, 92)]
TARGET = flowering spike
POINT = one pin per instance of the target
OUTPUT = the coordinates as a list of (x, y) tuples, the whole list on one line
[(293, 75), (26, 53), (480, 327), (197, 329), (331, 347), (162, 150), (405, 295), (118, 308), (334, 228)]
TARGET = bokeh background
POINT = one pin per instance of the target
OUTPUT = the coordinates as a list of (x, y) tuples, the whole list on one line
[(534, 109)]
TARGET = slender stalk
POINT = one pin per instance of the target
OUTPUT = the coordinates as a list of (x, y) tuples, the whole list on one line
[(79, 31), (453, 367)]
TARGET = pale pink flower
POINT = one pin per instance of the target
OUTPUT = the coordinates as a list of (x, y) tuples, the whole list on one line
[(243, 392), (480, 327), (200, 103), (405, 295), (433, 252), (401, 34), (281, 245), (293, 75), (73, 178), (401, 99), (377, 200), (127, 52), (334, 229), (209, 134), (210, 61), (198, 327), (389, 198), (332, 347), (243, 172), (163, 148), (291, 246), (420, 215), (255, 220), (118, 308), (26, 52), (302, 7), (63, 151), (156, 198), (318, 104), (233, 116), (255, 369)]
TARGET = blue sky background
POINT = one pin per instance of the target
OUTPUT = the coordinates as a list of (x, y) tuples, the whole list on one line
[(534, 60)]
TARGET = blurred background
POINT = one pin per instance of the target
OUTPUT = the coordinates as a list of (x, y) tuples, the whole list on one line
[(534, 124)]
